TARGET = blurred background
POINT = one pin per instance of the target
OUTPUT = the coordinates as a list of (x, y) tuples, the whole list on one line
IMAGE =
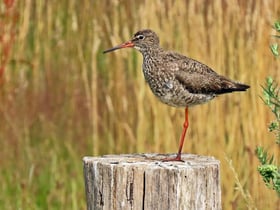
[(61, 99)]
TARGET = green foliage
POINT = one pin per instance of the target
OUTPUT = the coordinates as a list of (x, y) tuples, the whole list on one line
[(275, 47), (269, 172), (271, 98), (277, 26), (263, 156), (268, 169)]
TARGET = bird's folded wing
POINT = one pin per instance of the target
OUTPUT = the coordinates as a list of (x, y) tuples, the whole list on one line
[(199, 78), (198, 83)]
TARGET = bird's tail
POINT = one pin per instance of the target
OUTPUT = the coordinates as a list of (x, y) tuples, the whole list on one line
[(240, 87), (231, 86)]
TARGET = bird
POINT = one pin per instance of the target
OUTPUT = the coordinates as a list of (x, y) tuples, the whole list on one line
[(177, 80)]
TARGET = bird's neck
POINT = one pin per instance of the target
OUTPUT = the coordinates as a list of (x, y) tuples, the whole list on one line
[(151, 60), (151, 54)]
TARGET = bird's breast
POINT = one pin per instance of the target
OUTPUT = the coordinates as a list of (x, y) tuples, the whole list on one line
[(160, 82), (163, 85)]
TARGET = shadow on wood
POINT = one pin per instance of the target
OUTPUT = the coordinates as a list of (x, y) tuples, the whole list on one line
[(142, 181)]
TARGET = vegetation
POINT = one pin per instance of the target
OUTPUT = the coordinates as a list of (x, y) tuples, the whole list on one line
[(275, 47), (268, 169), (62, 99)]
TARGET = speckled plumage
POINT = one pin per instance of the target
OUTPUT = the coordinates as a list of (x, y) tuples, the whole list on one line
[(176, 79)]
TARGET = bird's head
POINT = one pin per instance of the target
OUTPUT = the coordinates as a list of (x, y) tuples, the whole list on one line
[(142, 40)]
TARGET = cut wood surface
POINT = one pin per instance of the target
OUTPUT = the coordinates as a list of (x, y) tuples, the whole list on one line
[(144, 182)]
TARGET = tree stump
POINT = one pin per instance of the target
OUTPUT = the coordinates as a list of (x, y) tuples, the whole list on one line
[(143, 181)]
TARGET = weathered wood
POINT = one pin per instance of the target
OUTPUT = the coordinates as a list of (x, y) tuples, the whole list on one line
[(142, 181)]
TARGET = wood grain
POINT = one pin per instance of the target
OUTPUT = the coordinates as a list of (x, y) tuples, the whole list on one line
[(143, 181)]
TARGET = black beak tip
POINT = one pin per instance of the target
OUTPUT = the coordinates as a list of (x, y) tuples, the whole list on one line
[(105, 51), (110, 50), (124, 45)]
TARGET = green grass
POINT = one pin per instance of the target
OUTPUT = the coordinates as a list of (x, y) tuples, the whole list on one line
[(62, 99)]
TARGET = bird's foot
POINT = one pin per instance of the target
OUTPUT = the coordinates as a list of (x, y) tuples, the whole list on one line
[(177, 158)]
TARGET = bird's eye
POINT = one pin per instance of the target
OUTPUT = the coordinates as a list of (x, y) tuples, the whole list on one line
[(140, 36)]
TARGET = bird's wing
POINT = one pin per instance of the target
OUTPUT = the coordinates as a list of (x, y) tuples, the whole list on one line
[(199, 78), (195, 82)]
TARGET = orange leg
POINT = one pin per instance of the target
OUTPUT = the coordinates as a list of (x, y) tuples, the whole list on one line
[(186, 125)]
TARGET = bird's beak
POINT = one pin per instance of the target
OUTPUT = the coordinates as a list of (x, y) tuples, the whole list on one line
[(124, 45)]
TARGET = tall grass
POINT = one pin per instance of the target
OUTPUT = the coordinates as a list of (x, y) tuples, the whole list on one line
[(62, 99)]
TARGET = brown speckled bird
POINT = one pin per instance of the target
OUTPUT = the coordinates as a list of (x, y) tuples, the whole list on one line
[(177, 80)]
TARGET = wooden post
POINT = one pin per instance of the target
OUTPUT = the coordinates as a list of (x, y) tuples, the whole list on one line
[(142, 181)]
